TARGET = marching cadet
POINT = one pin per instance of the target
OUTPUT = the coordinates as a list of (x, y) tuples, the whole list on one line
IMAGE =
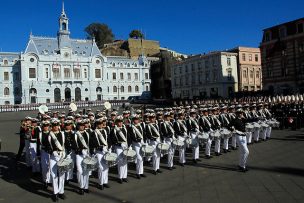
[(82, 141), (118, 137), (69, 135), (181, 131), (225, 124), (215, 125), (44, 151), (126, 117), (136, 137), (101, 144), (168, 135), (193, 129), (152, 133), (56, 140), (248, 117), (231, 117), (205, 126), (238, 125), (111, 121), (34, 135), (255, 117)]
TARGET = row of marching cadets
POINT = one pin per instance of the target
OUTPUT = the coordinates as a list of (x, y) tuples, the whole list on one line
[(92, 142)]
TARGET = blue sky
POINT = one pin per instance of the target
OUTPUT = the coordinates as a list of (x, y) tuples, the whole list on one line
[(192, 26)]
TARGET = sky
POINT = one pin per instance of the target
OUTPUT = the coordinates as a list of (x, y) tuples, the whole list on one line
[(190, 27)]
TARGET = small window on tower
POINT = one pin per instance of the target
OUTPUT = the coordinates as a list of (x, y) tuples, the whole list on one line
[(64, 26)]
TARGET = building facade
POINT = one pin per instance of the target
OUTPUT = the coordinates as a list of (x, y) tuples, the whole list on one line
[(249, 68), (64, 69), (282, 51), (205, 76)]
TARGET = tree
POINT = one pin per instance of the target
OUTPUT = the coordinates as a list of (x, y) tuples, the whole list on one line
[(101, 32), (137, 34)]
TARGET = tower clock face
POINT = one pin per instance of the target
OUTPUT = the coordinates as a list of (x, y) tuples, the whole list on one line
[(66, 54)]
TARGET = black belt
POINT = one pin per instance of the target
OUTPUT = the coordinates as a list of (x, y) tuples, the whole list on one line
[(33, 141)]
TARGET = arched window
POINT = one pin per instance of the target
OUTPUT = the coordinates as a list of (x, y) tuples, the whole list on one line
[(6, 91), (128, 65), (114, 89), (136, 89), (121, 65), (135, 65), (64, 26), (5, 62), (147, 88), (129, 89), (113, 64), (122, 89)]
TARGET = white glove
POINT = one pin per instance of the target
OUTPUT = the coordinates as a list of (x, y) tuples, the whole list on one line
[(56, 156), (84, 153)]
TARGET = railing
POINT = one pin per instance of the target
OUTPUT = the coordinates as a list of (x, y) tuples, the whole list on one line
[(60, 105)]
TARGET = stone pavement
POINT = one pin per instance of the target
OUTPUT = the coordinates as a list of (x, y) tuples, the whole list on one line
[(276, 175)]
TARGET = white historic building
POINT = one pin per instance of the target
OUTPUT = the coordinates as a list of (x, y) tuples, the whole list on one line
[(64, 69), (208, 75)]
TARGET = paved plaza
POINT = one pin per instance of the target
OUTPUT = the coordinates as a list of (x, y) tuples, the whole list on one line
[(276, 174)]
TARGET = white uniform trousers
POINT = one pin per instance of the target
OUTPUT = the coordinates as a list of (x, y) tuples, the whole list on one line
[(122, 162), (233, 141), (263, 133), (69, 174), (58, 180), (103, 169), (45, 166), (249, 137), (82, 176), (27, 153), (195, 145), (208, 147), (217, 145), (268, 132), (170, 151), (182, 156), (225, 143), (256, 134), (34, 160), (139, 159), (155, 155), (244, 152)]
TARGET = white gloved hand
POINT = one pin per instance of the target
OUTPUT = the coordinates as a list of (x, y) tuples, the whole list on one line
[(84, 153)]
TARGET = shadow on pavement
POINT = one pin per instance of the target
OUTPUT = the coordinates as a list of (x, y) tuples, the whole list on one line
[(283, 170)]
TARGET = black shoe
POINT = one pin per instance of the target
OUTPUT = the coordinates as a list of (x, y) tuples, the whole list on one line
[(158, 171), (217, 154), (125, 180), (198, 160), (242, 169), (106, 185), (143, 175), (137, 176), (170, 168), (55, 198), (208, 157), (181, 164), (173, 167), (233, 148), (194, 161), (62, 196), (67, 182), (46, 185), (87, 191), (120, 181), (225, 151), (100, 187), (228, 150), (155, 172), (81, 192)]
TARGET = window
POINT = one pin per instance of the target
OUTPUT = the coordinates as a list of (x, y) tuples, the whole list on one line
[(32, 60), (67, 73), (136, 89), (129, 76), (228, 61), (97, 73), (199, 65), (6, 76), (207, 76), (250, 57), (76, 73), (215, 75), (187, 80), (32, 72), (300, 28), (267, 36), (229, 75), (47, 90), (256, 57), (108, 89), (97, 61), (146, 76), (244, 57), (121, 65), (180, 70), (129, 89), (114, 89), (135, 65), (282, 32), (251, 74), (193, 79), (85, 72), (56, 73), (258, 74), (6, 91), (5, 62), (114, 76), (244, 73), (147, 88), (121, 76), (206, 64), (128, 65), (122, 89), (46, 73), (136, 76), (192, 67), (113, 64)]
